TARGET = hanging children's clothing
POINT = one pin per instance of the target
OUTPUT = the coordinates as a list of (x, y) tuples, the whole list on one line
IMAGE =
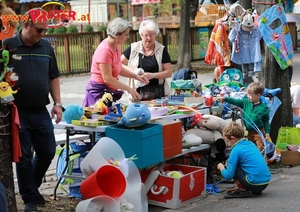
[(218, 46), (246, 51)]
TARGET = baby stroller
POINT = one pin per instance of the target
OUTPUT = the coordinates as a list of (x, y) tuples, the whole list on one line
[(185, 80), (185, 74), (185, 84)]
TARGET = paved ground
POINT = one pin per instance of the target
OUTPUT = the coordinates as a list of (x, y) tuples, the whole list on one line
[(281, 195)]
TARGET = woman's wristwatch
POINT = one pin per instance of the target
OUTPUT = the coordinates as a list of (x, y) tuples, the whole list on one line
[(153, 75)]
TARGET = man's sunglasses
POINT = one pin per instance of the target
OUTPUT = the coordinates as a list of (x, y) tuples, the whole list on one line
[(38, 30)]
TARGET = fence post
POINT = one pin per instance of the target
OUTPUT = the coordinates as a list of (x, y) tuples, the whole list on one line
[(165, 38), (67, 51)]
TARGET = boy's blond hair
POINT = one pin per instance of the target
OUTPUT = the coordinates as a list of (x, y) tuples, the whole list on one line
[(233, 129), (256, 88)]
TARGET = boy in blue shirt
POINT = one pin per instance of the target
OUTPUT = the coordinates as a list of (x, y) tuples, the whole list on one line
[(245, 164)]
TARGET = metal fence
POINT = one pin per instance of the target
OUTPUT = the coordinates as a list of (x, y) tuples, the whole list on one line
[(74, 51)]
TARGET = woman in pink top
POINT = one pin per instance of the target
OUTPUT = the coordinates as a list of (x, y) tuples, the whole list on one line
[(107, 66)]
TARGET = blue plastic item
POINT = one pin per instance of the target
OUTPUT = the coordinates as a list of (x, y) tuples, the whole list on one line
[(145, 141), (212, 189)]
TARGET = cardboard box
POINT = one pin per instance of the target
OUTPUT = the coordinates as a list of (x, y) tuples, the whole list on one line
[(172, 137), (172, 192), (290, 157), (146, 142)]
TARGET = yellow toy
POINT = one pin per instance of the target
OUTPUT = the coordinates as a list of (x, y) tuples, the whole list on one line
[(6, 93), (103, 104)]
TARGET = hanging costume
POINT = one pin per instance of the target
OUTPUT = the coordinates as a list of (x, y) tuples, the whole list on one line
[(246, 51), (218, 46)]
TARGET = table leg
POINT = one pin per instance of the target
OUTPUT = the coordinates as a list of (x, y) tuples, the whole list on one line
[(68, 130)]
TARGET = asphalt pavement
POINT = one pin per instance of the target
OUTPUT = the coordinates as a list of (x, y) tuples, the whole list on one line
[(281, 195)]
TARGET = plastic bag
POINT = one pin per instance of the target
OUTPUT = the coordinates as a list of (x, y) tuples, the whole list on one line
[(287, 136)]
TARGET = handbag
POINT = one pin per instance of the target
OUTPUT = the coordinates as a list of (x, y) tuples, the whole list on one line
[(149, 92)]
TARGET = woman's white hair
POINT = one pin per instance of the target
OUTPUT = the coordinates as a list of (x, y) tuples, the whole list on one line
[(117, 26), (149, 25)]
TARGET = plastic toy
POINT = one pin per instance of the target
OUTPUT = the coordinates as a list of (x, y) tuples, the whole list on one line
[(213, 188), (103, 104), (126, 206), (135, 115), (114, 111), (6, 93), (11, 78)]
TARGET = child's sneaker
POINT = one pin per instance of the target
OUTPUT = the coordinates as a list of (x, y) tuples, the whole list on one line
[(237, 194), (256, 193)]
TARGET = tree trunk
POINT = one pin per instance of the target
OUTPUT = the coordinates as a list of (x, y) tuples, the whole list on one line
[(184, 54), (193, 9), (6, 170), (274, 77)]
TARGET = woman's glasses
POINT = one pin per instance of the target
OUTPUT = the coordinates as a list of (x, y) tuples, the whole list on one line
[(149, 36)]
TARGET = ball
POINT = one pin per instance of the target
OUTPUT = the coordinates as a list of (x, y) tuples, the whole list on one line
[(176, 174)]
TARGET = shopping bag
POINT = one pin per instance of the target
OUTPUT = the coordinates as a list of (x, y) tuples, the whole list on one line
[(287, 136)]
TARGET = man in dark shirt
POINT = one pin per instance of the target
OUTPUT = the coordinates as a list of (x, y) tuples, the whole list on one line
[(38, 76)]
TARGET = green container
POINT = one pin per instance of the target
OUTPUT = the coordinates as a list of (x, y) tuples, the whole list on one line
[(282, 146)]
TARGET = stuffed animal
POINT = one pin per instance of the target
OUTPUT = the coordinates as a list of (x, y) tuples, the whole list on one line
[(135, 115), (6, 93), (104, 103), (72, 112), (208, 129), (126, 206), (11, 78), (212, 122)]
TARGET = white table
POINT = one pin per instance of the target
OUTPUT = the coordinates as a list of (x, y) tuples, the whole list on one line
[(71, 127)]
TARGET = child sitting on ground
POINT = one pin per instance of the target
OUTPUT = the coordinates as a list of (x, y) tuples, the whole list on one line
[(245, 164), (255, 110)]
